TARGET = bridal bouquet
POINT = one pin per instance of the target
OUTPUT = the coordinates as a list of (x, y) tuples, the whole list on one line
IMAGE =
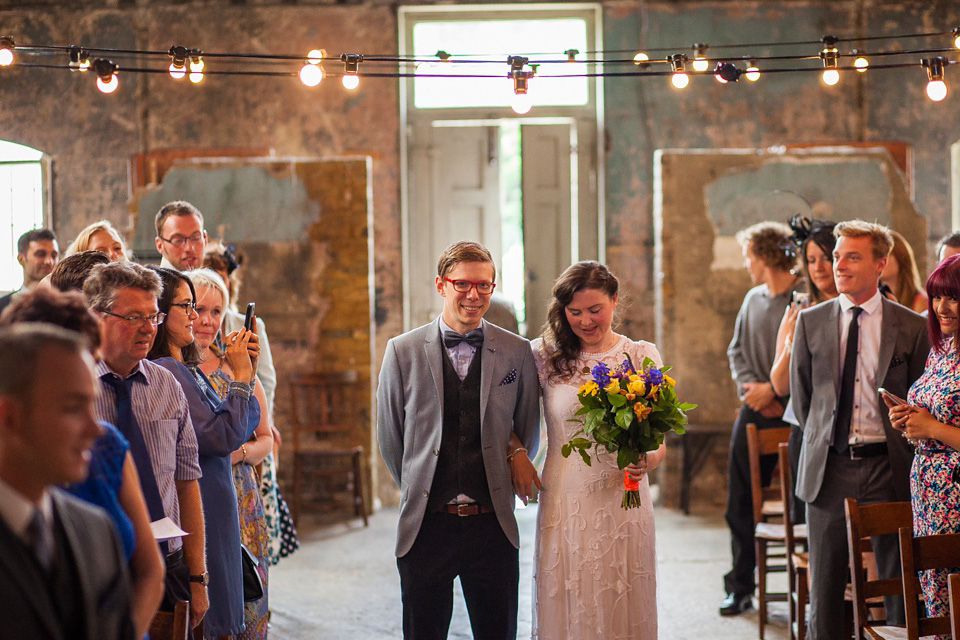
[(627, 411)]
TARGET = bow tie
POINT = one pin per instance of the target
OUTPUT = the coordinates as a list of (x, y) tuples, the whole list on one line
[(452, 339)]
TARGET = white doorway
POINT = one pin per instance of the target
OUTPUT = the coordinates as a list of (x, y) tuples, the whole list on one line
[(527, 187)]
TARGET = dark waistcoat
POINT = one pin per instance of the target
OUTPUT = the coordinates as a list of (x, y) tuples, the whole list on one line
[(460, 462)]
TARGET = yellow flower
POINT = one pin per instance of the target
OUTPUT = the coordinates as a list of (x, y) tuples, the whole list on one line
[(636, 385), (670, 381), (631, 396), (641, 410), (589, 388), (613, 387)]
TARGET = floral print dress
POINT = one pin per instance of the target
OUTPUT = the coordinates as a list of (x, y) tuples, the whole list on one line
[(935, 496)]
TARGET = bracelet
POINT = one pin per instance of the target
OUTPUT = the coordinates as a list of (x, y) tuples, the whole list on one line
[(515, 452), (243, 448)]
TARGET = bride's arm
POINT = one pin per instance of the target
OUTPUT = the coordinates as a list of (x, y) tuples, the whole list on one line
[(522, 470), (648, 462)]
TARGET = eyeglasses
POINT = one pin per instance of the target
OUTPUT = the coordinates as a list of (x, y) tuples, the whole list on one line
[(464, 286), (138, 321), (179, 240), (186, 306)]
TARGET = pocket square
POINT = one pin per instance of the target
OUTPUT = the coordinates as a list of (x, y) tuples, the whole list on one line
[(896, 362), (509, 379)]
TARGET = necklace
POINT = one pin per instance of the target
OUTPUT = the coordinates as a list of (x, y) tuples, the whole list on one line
[(614, 339)]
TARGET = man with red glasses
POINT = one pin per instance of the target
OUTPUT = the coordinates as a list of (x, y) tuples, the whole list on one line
[(451, 394)]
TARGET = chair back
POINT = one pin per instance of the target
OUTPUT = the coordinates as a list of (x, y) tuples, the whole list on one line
[(953, 588), (862, 523), (761, 442), (323, 407), (920, 553), (173, 625)]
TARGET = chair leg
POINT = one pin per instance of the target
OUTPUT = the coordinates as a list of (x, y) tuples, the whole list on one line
[(761, 545), (359, 502), (803, 591)]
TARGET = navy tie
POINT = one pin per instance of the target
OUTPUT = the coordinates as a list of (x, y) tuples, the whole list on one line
[(848, 383), (127, 425), (40, 538), (452, 339)]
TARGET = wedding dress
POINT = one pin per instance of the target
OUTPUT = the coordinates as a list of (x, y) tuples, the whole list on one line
[(595, 562)]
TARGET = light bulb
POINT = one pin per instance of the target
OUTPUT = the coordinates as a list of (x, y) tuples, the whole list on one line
[(936, 90), (6, 57), (108, 86), (196, 70), (956, 41), (831, 76), (177, 72), (700, 64), (315, 56), (521, 103), (753, 73), (720, 78), (680, 79), (350, 81), (861, 64), (311, 74), (640, 58), (84, 65)]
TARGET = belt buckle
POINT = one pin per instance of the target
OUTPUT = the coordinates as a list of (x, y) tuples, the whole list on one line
[(853, 452), (461, 506)]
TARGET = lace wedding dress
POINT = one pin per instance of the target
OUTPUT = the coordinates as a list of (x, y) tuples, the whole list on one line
[(595, 563)]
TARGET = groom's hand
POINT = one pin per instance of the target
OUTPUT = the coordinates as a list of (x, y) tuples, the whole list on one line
[(524, 476)]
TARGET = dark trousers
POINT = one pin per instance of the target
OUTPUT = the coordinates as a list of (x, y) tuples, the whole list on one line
[(176, 581), (740, 580), (798, 510), (475, 549), (869, 481)]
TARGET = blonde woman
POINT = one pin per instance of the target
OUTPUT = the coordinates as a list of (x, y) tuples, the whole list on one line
[(101, 236)]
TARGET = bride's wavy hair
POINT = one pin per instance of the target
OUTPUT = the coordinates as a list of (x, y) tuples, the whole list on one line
[(560, 342)]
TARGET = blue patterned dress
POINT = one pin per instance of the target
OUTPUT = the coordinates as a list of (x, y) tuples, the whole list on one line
[(935, 497)]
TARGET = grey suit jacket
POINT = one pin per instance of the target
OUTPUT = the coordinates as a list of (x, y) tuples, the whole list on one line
[(104, 585), (815, 370), (410, 418)]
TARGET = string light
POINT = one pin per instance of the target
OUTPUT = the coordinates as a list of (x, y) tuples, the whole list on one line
[(571, 54), (679, 79), (753, 72), (178, 65), (860, 61), (642, 60), (311, 73), (726, 72), (106, 71), (936, 87), (79, 59), (700, 62), (196, 67), (6, 51), (956, 37), (351, 70), (830, 57)]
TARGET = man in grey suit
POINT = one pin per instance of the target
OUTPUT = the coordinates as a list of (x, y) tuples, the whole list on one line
[(62, 572), (451, 394), (843, 350)]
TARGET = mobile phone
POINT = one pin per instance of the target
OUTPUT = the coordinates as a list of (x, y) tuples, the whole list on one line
[(891, 397), (248, 319)]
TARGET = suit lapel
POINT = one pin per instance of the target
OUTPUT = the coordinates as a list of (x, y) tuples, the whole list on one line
[(65, 516), (888, 339), (487, 366), (833, 343), (433, 352), (26, 574)]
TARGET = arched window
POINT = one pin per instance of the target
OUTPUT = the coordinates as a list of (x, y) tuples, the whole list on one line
[(23, 204)]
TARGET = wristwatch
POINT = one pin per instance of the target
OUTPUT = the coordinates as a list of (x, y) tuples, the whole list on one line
[(203, 578)]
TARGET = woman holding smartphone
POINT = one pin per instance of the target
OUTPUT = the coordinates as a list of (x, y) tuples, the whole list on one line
[(931, 418)]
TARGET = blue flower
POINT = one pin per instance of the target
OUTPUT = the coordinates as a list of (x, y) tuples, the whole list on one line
[(654, 376), (601, 374)]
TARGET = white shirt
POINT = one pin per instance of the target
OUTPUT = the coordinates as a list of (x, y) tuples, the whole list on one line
[(461, 356), (866, 424), (16, 510)]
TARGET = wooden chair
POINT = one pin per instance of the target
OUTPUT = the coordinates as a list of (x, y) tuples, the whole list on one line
[(919, 553), (953, 588), (171, 625), (324, 410), (798, 562), (767, 503), (863, 522)]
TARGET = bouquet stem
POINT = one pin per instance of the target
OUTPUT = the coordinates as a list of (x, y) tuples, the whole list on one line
[(631, 492)]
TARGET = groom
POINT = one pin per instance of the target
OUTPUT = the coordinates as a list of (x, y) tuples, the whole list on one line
[(451, 393)]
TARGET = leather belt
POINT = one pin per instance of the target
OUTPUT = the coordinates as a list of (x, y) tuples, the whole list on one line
[(465, 509), (175, 556), (860, 451)]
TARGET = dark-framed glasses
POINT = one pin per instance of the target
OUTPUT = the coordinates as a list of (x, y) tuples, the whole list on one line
[(178, 240), (463, 286), (138, 321), (186, 306)]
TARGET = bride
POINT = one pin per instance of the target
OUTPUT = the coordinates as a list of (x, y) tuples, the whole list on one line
[(595, 563)]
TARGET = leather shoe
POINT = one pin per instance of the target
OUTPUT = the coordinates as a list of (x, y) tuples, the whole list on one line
[(735, 604)]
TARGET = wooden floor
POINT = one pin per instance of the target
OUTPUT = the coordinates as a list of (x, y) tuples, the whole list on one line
[(343, 583)]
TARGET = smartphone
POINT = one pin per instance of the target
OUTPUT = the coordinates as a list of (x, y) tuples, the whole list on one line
[(248, 319), (891, 397)]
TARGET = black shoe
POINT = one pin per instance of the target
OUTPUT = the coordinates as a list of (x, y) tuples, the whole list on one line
[(735, 604)]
